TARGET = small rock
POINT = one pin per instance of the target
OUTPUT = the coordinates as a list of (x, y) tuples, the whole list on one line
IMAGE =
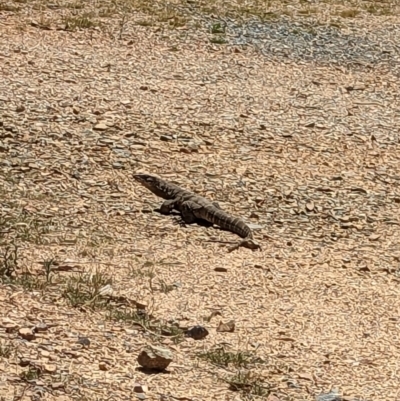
[(26, 334), (374, 237), (44, 353), (40, 327), (141, 396), (100, 127), (226, 327), (38, 392), (332, 396), (50, 368), (20, 108), (24, 362), (255, 226), (105, 142), (156, 358), (358, 86), (191, 147), (292, 383), (9, 325), (144, 88), (122, 152), (221, 269), (141, 305), (118, 166), (197, 332), (103, 366), (346, 225), (310, 206), (57, 385), (306, 376), (3, 147), (140, 388), (166, 138), (273, 397), (84, 341)]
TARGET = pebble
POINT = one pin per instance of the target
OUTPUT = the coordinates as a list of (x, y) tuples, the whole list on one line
[(140, 388), (100, 127), (156, 358), (197, 332), (332, 396), (84, 341), (26, 334)]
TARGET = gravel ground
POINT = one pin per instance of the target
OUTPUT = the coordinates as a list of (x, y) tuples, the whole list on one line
[(305, 150)]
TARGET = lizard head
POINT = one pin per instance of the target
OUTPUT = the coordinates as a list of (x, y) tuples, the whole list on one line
[(154, 184), (146, 180)]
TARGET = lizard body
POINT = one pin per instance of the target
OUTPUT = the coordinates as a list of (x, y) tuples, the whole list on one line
[(193, 207)]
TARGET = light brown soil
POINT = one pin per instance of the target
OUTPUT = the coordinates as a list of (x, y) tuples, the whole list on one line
[(307, 153)]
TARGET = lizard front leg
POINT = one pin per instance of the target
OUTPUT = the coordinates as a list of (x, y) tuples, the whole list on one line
[(167, 206)]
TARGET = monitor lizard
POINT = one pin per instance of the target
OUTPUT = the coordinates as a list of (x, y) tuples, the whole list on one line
[(193, 207)]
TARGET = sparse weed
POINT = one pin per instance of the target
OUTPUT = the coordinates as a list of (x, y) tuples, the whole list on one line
[(129, 316), (172, 17), (144, 22), (376, 9), (145, 271), (247, 383), (9, 271), (219, 40), (33, 373), (76, 5), (25, 228), (220, 357), (6, 350), (166, 288), (30, 282), (9, 7), (88, 290), (9, 262), (48, 268), (308, 11), (147, 323), (218, 28), (83, 21), (351, 13), (175, 332), (244, 381)]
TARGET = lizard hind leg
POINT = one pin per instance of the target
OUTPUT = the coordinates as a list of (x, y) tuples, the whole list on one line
[(187, 209)]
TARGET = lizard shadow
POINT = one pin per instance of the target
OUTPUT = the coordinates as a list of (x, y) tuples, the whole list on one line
[(177, 216), (149, 371)]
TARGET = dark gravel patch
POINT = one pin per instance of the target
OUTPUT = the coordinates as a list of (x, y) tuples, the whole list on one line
[(298, 41)]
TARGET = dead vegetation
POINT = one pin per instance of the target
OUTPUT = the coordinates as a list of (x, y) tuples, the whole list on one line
[(306, 152)]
